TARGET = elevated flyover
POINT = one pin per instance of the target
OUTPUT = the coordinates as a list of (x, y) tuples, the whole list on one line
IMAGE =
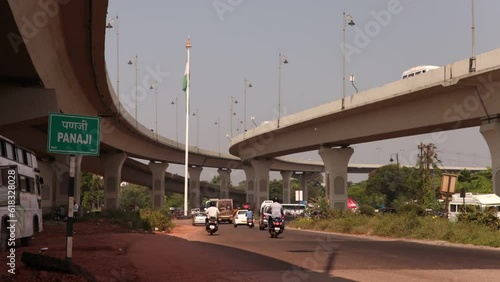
[(53, 61), (451, 97)]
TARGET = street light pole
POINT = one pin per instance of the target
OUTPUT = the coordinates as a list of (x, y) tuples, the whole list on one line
[(134, 61), (472, 60), (351, 78), (231, 114), (155, 85), (247, 84), (253, 120), (197, 128), (110, 25), (218, 133), (397, 159), (351, 23), (176, 119), (282, 59)]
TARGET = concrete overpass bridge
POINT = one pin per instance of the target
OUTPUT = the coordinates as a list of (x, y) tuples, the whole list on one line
[(54, 62), (451, 97)]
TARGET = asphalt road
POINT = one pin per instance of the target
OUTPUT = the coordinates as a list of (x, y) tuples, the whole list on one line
[(243, 254)]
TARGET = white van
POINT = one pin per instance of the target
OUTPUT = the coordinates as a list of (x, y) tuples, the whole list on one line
[(263, 212), (481, 201), (264, 205)]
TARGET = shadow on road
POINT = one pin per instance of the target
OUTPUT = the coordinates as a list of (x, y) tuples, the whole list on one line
[(169, 258)]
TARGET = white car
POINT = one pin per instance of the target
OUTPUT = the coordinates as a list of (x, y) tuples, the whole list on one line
[(240, 217), (199, 218)]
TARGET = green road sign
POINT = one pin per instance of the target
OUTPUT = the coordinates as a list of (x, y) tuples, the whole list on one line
[(73, 134)]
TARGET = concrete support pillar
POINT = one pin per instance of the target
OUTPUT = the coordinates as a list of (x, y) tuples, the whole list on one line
[(250, 179), (112, 178), (336, 161), (261, 169), (194, 186), (158, 191), (225, 177), (491, 133), (304, 177), (286, 186), (61, 170)]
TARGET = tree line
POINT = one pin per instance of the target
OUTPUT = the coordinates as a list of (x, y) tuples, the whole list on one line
[(387, 186)]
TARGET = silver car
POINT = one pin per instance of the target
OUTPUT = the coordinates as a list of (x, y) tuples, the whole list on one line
[(265, 213), (199, 218)]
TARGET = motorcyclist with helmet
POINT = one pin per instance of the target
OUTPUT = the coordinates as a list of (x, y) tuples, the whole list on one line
[(276, 211), (212, 212)]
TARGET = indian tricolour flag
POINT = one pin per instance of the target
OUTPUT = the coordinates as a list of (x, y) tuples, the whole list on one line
[(186, 77)]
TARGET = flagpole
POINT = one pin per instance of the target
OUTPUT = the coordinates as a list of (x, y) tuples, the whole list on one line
[(188, 47)]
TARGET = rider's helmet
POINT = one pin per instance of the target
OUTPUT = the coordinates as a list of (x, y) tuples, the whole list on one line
[(212, 204), (275, 199)]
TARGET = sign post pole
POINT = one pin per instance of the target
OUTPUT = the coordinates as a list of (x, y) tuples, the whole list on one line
[(71, 196), (73, 135)]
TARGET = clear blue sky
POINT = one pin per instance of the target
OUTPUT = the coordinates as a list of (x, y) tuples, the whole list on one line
[(237, 39)]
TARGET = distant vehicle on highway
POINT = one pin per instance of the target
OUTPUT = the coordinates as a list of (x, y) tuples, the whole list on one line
[(417, 70), (199, 218), (264, 213), (293, 210), (240, 217), (386, 210), (480, 201), (225, 207)]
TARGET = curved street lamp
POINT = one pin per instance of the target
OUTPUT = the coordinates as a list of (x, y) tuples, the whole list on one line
[(113, 23), (134, 61), (348, 20), (397, 159), (282, 60), (176, 103), (154, 86), (231, 114), (253, 120), (248, 84)]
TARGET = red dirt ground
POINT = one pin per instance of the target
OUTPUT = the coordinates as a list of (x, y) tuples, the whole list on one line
[(99, 247)]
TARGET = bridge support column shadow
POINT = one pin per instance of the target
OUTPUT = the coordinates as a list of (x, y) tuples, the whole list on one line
[(225, 178), (336, 161), (286, 175), (250, 179), (194, 186), (113, 164), (491, 133), (262, 168), (158, 194)]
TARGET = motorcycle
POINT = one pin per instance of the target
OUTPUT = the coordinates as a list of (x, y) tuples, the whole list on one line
[(276, 227), (212, 226), (250, 223)]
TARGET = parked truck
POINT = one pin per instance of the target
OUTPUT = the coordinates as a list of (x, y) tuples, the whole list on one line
[(225, 207)]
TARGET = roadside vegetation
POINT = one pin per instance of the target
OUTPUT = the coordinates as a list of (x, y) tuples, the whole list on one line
[(143, 219), (409, 224), (417, 209), (136, 210)]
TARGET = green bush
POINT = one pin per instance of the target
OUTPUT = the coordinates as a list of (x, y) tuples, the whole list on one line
[(404, 225), (126, 218), (366, 210), (412, 208), (156, 220), (147, 219), (486, 218)]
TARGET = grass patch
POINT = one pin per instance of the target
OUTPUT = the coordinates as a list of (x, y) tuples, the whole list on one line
[(146, 219), (405, 225)]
